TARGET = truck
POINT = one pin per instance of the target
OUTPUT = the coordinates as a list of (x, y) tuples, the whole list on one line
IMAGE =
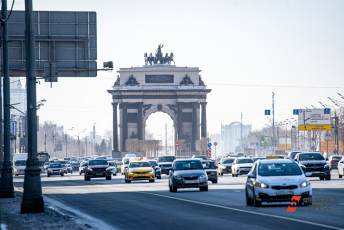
[(19, 163)]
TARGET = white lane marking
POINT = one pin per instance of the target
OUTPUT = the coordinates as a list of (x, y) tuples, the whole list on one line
[(94, 222), (245, 211)]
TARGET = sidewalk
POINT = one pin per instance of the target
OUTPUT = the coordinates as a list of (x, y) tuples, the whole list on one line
[(10, 217)]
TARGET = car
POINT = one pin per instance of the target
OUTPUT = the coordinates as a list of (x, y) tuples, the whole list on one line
[(68, 168), (165, 163), (225, 166), (211, 170), (333, 161), (75, 165), (124, 166), (156, 168), (292, 154), (241, 165), (340, 168), (315, 164), (112, 167), (82, 167), (274, 156), (139, 170), (97, 168), (19, 167), (187, 173), (277, 181), (55, 168)]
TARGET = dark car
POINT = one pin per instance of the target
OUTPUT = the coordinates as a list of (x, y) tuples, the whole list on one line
[(156, 168), (75, 165), (211, 170), (165, 163), (187, 173), (225, 166), (55, 169), (315, 164), (333, 161), (97, 168)]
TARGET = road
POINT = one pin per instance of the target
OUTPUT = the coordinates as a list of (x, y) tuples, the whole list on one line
[(143, 205)]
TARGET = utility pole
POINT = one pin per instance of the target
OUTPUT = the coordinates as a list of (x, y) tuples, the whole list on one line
[(45, 140), (273, 122), (32, 196), (79, 153), (66, 142), (241, 144), (7, 188)]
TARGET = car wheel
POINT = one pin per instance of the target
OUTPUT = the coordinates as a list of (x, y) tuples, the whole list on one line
[(159, 177), (87, 178), (173, 189), (15, 174), (340, 176), (233, 175), (321, 178), (151, 181), (62, 174), (204, 188), (328, 177), (214, 181), (249, 201), (108, 177), (48, 175)]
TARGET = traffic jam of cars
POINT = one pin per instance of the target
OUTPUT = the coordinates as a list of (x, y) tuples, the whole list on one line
[(269, 179)]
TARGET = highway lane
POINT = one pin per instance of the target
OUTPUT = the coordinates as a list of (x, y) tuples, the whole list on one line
[(142, 205)]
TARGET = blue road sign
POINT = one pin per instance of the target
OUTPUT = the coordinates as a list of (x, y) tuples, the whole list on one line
[(267, 112), (327, 111), (209, 145), (296, 111)]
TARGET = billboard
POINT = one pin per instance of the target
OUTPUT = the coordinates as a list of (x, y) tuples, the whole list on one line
[(66, 43), (314, 119)]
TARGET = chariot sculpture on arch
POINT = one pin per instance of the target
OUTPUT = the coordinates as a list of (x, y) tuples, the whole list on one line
[(159, 58)]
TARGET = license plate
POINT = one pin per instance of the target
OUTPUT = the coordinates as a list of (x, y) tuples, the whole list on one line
[(191, 181), (285, 192), (99, 174)]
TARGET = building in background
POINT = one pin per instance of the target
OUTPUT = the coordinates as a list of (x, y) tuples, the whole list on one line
[(231, 135)]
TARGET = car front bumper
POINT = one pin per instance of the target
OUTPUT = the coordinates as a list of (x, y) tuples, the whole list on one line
[(139, 176), (97, 173), (189, 184), (271, 195)]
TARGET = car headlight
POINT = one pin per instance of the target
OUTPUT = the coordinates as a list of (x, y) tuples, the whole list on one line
[(259, 184), (177, 177), (326, 166), (203, 177), (304, 184)]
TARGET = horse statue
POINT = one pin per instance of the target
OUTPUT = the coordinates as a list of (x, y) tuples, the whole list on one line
[(158, 55), (146, 58)]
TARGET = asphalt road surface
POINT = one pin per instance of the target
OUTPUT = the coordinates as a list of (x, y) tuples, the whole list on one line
[(143, 205)]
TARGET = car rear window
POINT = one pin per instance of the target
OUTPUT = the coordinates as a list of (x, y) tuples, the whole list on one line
[(311, 157), (228, 161), (55, 166), (139, 164), (279, 169), (20, 163), (167, 159)]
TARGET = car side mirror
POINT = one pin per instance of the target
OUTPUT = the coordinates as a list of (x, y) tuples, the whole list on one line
[(251, 176), (170, 172)]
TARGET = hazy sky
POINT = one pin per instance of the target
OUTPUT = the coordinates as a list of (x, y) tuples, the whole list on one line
[(236, 44)]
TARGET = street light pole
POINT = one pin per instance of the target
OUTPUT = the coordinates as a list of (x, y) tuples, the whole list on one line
[(6, 188), (273, 122), (32, 196)]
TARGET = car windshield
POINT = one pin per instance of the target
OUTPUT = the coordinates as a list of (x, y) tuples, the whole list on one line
[(55, 166), (311, 157), (244, 161), (279, 169), (167, 159), (98, 162), (188, 165), (228, 161), (153, 163), (293, 154), (126, 161), (139, 164), (20, 163), (111, 163), (209, 165)]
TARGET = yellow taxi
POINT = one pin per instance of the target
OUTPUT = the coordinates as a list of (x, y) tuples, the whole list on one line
[(274, 157), (139, 169)]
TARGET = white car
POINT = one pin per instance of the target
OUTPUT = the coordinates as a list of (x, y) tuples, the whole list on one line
[(341, 168), (241, 165), (277, 181), (19, 167)]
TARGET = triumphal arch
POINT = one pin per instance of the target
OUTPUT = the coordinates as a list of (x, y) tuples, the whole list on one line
[(160, 85)]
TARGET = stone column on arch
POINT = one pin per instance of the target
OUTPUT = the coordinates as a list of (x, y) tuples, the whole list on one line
[(114, 128), (204, 120), (124, 125)]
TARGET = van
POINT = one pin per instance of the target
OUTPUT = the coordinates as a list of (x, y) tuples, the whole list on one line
[(19, 163)]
